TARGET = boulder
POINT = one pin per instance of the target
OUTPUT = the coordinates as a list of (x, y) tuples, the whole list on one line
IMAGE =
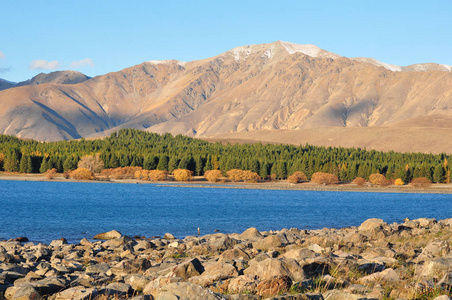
[(187, 291), (117, 289), (97, 268), (442, 297), (299, 254), (371, 224), (26, 292), (388, 275), (341, 295), (270, 242), (243, 284), (189, 269), (169, 236), (436, 267), (108, 235), (213, 273), (76, 293), (235, 253), (274, 286), (58, 243), (251, 234), (272, 267)]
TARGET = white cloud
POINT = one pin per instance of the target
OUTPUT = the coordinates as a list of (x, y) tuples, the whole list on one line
[(41, 64), (2, 55), (83, 62)]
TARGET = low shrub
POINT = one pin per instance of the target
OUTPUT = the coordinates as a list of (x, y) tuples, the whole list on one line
[(151, 175), (324, 178), (297, 177), (241, 175), (399, 181), (121, 172), (82, 174), (376, 179), (421, 182), (359, 181), (50, 173), (213, 175), (183, 175)]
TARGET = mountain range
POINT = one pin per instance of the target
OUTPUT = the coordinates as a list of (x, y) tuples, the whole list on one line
[(278, 92)]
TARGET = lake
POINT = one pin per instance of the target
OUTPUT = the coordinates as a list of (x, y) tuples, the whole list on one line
[(44, 211)]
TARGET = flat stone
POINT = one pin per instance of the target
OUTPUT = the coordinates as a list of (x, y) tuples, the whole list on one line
[(76, 293), (108, 235)]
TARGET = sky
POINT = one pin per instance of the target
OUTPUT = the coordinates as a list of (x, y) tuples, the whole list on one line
[(97, 37)]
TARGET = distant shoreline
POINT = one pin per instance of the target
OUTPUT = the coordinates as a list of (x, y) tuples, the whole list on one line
[(278, 185)]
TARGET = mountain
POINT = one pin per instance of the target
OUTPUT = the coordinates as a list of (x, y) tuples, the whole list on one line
[(5, 84), (59, 77), (278, 88)]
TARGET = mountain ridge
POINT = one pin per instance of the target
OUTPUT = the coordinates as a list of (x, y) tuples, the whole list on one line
[(276, 86)]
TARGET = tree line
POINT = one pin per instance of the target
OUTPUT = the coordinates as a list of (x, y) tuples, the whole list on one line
[(151, 151)]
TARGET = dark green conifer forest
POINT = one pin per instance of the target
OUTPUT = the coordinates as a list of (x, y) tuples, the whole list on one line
[(130, 147)]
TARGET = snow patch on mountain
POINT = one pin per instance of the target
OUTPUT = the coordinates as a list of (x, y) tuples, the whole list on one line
[(168, 61), (377, 63)]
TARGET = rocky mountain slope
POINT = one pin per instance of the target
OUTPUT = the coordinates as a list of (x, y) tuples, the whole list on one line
[(5, 84), (272, 87)]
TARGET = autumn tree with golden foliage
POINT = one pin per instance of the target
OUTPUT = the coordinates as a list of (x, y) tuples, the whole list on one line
[(297, 177), (183, 175), (94, 163), (213, 175), (324, 178), (82, 174), (421, 182), (359, 181)]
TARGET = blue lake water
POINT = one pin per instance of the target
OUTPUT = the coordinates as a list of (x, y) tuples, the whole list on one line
[(44, 211)]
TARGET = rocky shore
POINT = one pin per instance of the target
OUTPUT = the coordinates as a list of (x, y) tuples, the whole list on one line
[(376, 260)]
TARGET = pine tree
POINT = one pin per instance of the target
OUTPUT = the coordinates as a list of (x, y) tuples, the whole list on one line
[(114, 162), (173, 164), (163, 163), (44, 165), (438, 174), (23, 164), (12, 161), (29, 168)]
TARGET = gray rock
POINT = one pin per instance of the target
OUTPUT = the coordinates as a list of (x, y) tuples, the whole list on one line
[(443, 297), (97, 268), (189, 269), (117, 289), (26, 292), (272, 267), (371, 224), (76, 293), (187, 291), (270, 242)]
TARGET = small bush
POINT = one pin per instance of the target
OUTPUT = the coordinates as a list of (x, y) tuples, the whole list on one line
[(241, 175), (50, 173), (399, 181), (151, 175), (183, 175), (359, 181), (213, 175), (421, 182), (82, 174), (66, 175), (385, 182), (121, 172), (94, 163), (297, 177), (324, 178), (376, 179)]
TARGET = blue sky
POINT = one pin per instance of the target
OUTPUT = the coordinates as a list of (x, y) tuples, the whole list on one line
[(97, 37)]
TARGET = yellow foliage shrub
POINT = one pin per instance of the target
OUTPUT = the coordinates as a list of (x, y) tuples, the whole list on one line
[(241, 175), (376, 178), (297, 177), (399, 181), (82, 174), (213, 175), (121, 172), (324, 178), (151, 175), (183, 175)]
